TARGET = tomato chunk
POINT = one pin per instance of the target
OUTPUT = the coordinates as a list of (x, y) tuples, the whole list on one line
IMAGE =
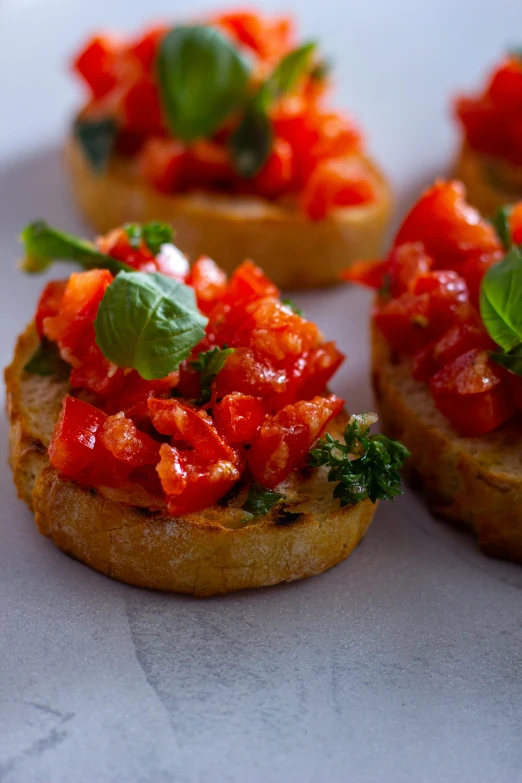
[(189, 426), (450, 229), (49, 303), (97, 64), (285, 438), (121, 437), (239, 416), (277, 175), (406, 263), (369, 273), (471, 394), (161, 162), (515, 223), (342, 182), (209, 283)]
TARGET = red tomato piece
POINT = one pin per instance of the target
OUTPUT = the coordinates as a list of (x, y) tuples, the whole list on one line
[(72, 446), (474, 269), (195, 428), (97, 64), (209, 282), (133, 397), (117, 245), (405, 322), (207, 165), (49, 303), (447, 291), (450, 229), (249, 282), (140, 107), (337, 182), (121, 437), (320, 365), (161, 162), (239, 416), (505, 87), (405, 264), (92, 370), (171, 470), (515, 223), (285, 438), (145, 47), (471, 394), (83, 294), (270, 38), (514, 384), (460, 338), (245, 372), (338, 137), (368, 273), (277, 175)]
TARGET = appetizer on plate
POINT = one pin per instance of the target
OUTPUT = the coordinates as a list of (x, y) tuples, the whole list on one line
[(490, 160), (223, 128), (165, 422), (447, 359)]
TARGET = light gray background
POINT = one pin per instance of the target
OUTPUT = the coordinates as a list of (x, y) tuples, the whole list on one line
[(402, 664)]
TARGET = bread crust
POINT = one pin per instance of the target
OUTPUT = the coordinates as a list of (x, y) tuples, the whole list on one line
[(490, 183), (474, 482), (293, 251), (204, 554)]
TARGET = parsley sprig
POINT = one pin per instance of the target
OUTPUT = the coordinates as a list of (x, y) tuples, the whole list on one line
[(365, 466)]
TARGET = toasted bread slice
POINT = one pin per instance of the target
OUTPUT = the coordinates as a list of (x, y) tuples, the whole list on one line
[(294, 252), (218, 550), (476, 482), (490, 183)]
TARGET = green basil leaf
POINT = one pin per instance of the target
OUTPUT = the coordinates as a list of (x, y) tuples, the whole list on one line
[(208, 364), (251, 142), (511, 360), (46, 360), (260, 500), (501, 301), (148, 322), (96, 138), (202, 79), (321, 70), (154, 234), (45, 244), (500, 222), (291, 68)]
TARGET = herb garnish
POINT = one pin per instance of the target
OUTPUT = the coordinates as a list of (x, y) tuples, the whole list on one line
[(208, 364), (500, 222), (154, 235), (96, 138), (46, 360), (365, 466), (260, 500)]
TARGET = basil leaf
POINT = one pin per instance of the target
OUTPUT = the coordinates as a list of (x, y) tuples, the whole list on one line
[(260, 500), (291, 68), (154, 234), (96, 138), (251, 142), (500, 222), (321, 71), (511, 360), (148, 322), (202, 80), (45, 244), (46, 360), (501, 301), (208, 364)]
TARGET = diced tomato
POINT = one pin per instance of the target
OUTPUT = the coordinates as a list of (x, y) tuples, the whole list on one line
[(191, 483), (368, 273), (270, 38), (338, 182), (97, 63), (244, 372), (145, 47), (140, 106), (249, 282), (132, 398), (471, 394), (405, 264), (447, 291), (207, 165), (474, 269), (277, 175), (310, 375), (239, 416), (93, 371), (160, 162), (189, 426), (505, 87), (423, 365), (209, 283), (405, 323), (450, 229), (117, 244), (49, 303), (338, 137), (285, 438), (514, 384), (83, 294), (120, 436), (515, 223), (460, 338)]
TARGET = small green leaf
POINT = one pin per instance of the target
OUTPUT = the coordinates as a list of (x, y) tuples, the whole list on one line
[(154, 234), (500, 222), (291, 68), (260, 500), (501, 301), (251, 142), (511, 360), (45, 244), (202, 79), (295, 309), (96, 138), (46, 360), (208, 364), (364, 466), (321, 71), (148, 322)]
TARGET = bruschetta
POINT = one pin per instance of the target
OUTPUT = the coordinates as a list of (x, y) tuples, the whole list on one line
[(222, 129), (166, 423), (490, 159), (447, 372)]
